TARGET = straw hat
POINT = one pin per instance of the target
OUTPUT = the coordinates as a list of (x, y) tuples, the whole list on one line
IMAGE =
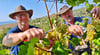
[(19, 9), (63, 10)]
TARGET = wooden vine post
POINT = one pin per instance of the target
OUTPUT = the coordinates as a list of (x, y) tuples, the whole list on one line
[(56, 12), (48, 15)]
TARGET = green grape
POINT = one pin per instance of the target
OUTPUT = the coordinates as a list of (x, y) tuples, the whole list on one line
[(62, 28), (51, 34), (36, 52), (39, 45), (90, 27), (81, 43), (91, 34)]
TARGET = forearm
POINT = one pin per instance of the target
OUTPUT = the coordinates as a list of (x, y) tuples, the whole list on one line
[(12, 39)]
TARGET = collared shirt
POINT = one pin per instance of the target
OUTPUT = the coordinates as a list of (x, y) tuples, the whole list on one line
[(79, 19), (15, 49)]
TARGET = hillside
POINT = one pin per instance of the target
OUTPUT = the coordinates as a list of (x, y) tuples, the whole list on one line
[(80, 12), (43, 22)]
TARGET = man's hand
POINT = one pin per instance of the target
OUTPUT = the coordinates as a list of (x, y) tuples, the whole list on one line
[(96, 13), (33, 32), (76, 30)]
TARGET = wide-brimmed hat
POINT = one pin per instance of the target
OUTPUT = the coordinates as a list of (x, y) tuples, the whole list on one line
[(63, 10), (19, 9)]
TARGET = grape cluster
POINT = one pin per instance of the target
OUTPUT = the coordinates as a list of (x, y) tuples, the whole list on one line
[(96, 24), (62, 28), (38, 51), (91, 34)]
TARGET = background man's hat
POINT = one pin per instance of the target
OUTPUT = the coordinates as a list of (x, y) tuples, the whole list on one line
[(19, 9), (63, 10)]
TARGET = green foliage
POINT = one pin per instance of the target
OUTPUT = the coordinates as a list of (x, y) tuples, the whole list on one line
[(96, 1), (62, 28), (75, 41), (61, 1), (2, 34), (28, 47), (89, 6), (45, 41), (79, 23), (59, 49), (85, 53), (3, 52), (73, 2), (42, 23), (97, 42)]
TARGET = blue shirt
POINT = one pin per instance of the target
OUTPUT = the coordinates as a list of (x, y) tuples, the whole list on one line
[(79, 19), (15, 49)]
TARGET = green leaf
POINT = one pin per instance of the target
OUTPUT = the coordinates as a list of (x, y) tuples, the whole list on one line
[(32, 45), (23, 50), (75, 41), (96, 1), (34, 41), (89, 6), (45, 41), (61, 1), (30, 50), (3, 52), (67, 36), (59, 49), (28, 47)]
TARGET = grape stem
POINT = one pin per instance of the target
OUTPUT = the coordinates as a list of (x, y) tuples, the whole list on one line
[(43, 49)]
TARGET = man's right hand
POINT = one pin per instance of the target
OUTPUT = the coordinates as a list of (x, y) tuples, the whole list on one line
[(33, 32), (76, 30)]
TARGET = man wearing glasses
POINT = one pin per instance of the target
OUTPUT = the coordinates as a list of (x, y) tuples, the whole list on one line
[(16, 35)]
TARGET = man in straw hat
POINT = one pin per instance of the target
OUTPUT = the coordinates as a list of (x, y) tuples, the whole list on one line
[(22, 31), (67, 14)]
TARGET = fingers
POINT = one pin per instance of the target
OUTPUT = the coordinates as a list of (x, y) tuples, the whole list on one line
[(33, 32), (28, 35), (42, 33), (76, 30), (39, 33), (80, 28)]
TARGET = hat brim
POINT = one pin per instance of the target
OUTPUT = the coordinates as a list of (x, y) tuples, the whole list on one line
[(61, 12), (30, 12)]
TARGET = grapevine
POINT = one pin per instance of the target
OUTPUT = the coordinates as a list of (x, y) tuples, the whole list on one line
[(60, 35)]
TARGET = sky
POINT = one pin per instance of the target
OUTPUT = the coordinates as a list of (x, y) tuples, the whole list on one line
[(39, 10)]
